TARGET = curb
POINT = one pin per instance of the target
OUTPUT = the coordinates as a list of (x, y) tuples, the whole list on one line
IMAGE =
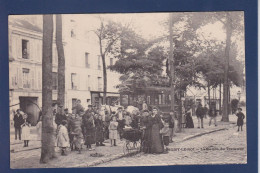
[(115, 157), (201, 134)]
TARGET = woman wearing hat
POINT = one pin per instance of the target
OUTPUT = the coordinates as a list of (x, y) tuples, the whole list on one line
[(156, 145), (240, 119)]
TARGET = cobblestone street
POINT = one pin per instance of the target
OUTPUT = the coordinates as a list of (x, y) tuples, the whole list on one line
[(191, 146), (223, 147)]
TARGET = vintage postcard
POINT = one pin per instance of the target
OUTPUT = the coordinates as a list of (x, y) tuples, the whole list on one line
[(127, 89)]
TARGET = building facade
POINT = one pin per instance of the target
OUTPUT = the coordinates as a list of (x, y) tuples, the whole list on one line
[(83, 66)]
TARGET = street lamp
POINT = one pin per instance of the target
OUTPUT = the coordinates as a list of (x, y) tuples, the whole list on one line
[(239, 95)]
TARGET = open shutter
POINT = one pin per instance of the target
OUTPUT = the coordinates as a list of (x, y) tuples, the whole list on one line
[(19, 47), (29, 53)]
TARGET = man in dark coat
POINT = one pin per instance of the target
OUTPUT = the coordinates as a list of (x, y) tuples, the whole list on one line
[(200, 115), (240, 119), (60, 116), (79, 108), (18, 121)]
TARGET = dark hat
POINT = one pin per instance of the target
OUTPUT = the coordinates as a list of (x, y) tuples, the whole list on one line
[(89, 105), (66, 109), (119, 108), (239, 109), (146, 111)]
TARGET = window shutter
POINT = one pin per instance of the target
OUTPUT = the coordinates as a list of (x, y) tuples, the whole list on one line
[(29, 53), (19, 47)]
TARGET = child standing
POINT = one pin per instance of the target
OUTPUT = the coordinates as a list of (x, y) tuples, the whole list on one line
[(25, 131), (113, 130), (63, 137), (165, 132), (240, 119)]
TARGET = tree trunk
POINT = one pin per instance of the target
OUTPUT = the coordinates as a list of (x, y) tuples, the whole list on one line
[(172, 73), (209, 94), (104, 78), (220, 111), (225, 116), (171, 60), (61, 61), (48, 138)]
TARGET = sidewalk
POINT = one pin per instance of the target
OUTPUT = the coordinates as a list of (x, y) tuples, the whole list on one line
[(30, 159)]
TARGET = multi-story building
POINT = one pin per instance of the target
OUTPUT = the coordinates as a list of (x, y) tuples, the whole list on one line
[(83, 66)]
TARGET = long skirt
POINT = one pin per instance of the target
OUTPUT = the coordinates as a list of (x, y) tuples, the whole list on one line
[(99, 135), (90, 137), (146, 141), (156, 140)]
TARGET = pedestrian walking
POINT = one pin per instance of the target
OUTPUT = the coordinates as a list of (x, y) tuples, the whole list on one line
[(200, 115), (113, 131), (212, 115), (189, 120), (240, 119), (26, 134), (18, 121), (63, 137)]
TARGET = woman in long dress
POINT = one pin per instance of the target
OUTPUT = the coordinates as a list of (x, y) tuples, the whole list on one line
[(156, 138)]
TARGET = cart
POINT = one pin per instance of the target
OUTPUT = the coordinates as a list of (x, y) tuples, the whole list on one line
[(132, 140)]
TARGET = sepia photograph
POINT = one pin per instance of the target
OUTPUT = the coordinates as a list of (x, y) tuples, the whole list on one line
[(127, 89)]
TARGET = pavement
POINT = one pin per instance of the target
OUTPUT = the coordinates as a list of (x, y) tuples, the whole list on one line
[(29, 157)]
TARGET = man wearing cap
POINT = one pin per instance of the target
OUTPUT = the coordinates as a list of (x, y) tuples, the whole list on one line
[(18, 121)]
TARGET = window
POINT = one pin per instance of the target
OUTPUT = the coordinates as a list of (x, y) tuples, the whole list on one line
[(111, 61), (26, 82), (87, 60), (99, 62), (54, 80), (73, 81), (100, 83), (25, 51)]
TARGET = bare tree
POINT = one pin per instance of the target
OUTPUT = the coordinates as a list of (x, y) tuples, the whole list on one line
[(108, 36), (48, 138)]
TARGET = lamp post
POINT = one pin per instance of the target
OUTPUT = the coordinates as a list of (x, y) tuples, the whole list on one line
[(239, 95)]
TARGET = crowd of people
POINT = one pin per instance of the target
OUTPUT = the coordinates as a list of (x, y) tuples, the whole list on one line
[(91, 127)]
